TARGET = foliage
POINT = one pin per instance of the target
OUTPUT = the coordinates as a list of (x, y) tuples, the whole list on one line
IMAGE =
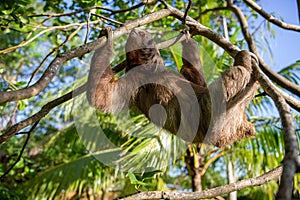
[(58, 162)]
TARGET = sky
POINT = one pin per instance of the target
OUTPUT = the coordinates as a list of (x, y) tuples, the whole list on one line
[(286, 45)]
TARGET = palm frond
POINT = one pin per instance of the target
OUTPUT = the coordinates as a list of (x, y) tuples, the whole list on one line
[(82, 172)]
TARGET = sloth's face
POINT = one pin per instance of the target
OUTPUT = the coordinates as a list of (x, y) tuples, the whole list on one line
[(139, 39)]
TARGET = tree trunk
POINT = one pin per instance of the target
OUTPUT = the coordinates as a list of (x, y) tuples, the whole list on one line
[(194, 163), (196, 180), (231, 178)]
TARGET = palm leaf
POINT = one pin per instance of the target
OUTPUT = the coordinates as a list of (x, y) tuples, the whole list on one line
[(75, 175)]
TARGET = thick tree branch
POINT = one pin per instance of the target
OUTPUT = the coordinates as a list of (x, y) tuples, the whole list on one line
[(271, 18), (291, 145), (199, 29), (294, 103), (210, 193), (76, 52), (11, 131), (277, 78)]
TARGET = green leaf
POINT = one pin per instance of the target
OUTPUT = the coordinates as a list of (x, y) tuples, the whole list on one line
[(7, 12), (22, 104), (134, 181)]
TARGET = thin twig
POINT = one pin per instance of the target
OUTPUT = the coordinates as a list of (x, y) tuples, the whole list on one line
[(51, 52), (87, 28), (298, 5), (127, 9), (24, 43), (263, 94), (71, 13), (271, 18), (108, 19), (258, 27), (210, 161), (186, 13), (144, 8), (21, 152), (211, 10), (112, 12), (34, 29)]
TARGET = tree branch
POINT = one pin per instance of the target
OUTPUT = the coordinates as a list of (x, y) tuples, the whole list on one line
[(291, 145), (210, 193), (50, 15), (271, 18), (108, 19), (277, 78), (210, 161), (186, 12), (211, 10), (11, 131), (76, 52), (21, 152), (290, 161), (27, 40), (199, 29), (51, 52)]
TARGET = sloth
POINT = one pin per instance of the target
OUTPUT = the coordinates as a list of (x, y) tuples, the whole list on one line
[(181, 103)]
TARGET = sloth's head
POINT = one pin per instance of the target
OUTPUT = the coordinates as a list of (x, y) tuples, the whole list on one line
[(139, 39), (141, 49)]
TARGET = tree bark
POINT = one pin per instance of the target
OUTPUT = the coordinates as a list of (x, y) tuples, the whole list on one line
[(210, 193), (195, 163), (231, 179)]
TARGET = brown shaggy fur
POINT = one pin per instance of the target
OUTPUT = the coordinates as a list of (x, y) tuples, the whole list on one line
[(193, 111)]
